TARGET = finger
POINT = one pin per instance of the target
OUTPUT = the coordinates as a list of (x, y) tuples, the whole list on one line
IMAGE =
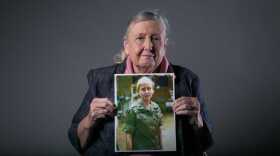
[(94, 102), (103, 103), (182, 112), (187, 112), (184, 98), (179, 106), (180, 98), (180, 103), (184, 107), (107, 112), (110, 105), (111, 114), (98, 112), (98, 109), (103, 100), (195, 101), (189, 100), (99, 99), (195, 104), (176, 104)]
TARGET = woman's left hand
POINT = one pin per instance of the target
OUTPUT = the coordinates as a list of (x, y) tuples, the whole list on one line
[(188, 106)]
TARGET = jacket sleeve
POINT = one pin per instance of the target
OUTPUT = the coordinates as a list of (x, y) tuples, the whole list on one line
[(82, 112), (204, 134)]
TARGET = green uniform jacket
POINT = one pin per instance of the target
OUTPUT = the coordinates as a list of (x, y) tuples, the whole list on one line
[(143, 124)]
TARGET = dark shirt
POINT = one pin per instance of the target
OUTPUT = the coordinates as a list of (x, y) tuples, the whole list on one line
[(190, 140)]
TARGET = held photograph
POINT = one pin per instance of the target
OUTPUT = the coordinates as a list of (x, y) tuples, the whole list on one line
[(145, 121)]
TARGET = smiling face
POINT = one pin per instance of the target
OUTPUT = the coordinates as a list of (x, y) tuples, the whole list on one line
[(145, 45), (146, 91)]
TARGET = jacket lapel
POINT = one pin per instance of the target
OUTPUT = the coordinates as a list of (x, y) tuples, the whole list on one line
[(120, 68)]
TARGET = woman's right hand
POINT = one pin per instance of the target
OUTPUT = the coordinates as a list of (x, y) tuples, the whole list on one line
[(99, 108)]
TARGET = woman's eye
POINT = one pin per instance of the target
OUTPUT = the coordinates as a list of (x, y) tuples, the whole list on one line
[(140, 38), (155, 38)]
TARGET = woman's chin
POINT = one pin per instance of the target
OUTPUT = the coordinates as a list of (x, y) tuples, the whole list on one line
[(147, 98), (147, 64), (146, 60)]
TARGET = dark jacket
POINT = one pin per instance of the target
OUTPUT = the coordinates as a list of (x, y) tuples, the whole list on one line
[(190, 141)]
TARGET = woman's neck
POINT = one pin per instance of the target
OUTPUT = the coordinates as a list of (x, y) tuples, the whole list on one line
[(139, 69), (146, 102)]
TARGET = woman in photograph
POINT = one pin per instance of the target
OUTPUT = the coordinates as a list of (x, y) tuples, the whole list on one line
[(143, 119)]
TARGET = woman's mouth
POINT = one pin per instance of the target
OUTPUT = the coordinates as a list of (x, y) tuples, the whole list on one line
[(147, 55)]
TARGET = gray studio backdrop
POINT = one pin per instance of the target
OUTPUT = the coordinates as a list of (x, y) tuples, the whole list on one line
[(47, 48)]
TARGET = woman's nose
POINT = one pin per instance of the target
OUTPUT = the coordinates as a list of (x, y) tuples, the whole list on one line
[(148, 44), (145, 90)]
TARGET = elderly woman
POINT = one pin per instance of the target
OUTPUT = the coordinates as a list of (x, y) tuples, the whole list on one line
[(143, 119), (144, 51)]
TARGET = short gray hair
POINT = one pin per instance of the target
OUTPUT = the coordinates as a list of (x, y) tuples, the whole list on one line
[(144, 80), (144, 15)]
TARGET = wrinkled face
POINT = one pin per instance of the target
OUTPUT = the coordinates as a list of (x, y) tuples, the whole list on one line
[(146, 91), (145, 45)]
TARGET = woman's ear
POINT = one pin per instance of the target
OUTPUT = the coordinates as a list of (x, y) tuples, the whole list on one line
[(125, 47), (165, 42)]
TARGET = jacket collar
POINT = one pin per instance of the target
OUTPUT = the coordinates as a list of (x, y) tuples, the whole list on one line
[(120, 67)]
